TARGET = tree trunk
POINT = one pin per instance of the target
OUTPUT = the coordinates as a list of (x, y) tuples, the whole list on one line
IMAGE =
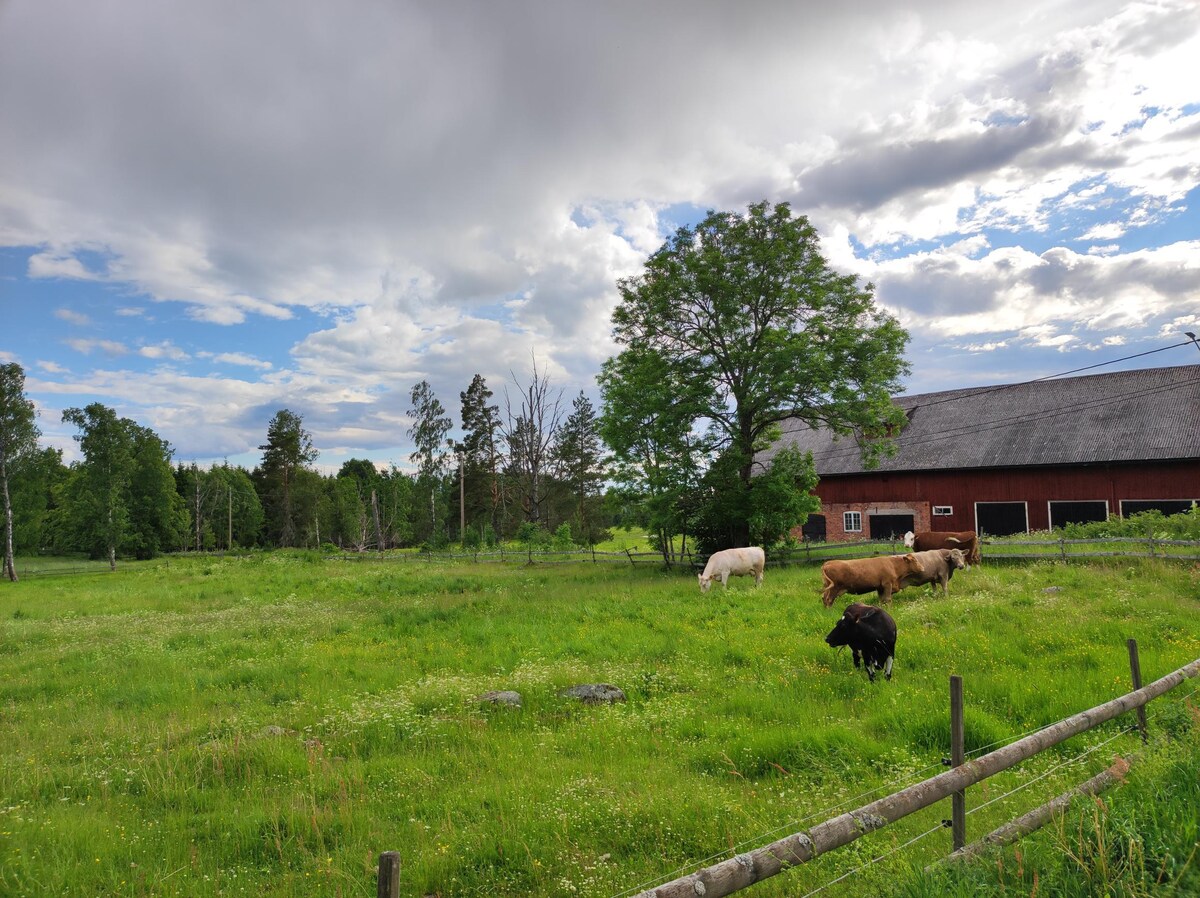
[(10, 567), (375, 514)]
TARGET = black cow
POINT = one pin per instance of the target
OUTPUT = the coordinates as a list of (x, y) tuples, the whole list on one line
[(871, 634)]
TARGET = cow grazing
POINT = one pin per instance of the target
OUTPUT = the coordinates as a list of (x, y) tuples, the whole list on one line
[(871, 634), (733, 563), (967, 540), (939, 566), (883, 575)]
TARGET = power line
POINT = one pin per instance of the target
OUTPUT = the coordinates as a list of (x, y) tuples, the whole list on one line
[(976, 393)]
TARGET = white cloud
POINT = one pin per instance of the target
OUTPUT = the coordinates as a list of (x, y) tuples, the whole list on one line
[(239, 358), (164, 350), (72, 317), (108, 347)]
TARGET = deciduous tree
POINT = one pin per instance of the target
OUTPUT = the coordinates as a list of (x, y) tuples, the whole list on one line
[(748, 306), (18, 443)]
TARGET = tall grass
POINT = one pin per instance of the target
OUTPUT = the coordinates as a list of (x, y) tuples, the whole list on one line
[(266, 725)]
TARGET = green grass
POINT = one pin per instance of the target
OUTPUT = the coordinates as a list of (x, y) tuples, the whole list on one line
[(267, 724)]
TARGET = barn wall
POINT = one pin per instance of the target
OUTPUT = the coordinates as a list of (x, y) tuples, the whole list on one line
[(918, 492)]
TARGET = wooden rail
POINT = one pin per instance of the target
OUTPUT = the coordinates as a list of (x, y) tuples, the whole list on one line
[(746, 869)]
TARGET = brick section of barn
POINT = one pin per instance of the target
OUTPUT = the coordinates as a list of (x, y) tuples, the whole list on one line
[(1016, 457)]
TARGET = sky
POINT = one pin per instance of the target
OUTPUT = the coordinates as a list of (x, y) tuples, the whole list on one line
[(213, 211)]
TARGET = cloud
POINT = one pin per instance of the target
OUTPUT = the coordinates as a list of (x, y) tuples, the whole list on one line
[(72, 317), (238, 358), (108, 347), (164, 350), (450, 189)]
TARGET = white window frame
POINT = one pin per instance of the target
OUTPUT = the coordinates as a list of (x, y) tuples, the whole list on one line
[(943, 510), (855, 516)]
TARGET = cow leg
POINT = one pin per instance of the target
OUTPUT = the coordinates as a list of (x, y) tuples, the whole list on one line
[(857, 657), (887, 668)]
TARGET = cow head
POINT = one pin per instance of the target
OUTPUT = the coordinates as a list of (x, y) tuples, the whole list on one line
[(913, 564), (957, 560), (705, 582), (909, 539), (850, 624)]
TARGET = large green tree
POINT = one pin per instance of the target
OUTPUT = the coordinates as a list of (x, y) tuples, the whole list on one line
[(579, 465), (428, 433), (158, 515), (481, 458), (647, 419), (745, 306), (18, 443), (97, 494), (286, 453)]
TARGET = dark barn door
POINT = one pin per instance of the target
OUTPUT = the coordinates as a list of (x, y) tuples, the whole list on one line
[(1001, 518), (890, 526), (1063, 513), (813, 529)]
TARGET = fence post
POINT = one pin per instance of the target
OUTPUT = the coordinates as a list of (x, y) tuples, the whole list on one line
[(389, 875), (958, 801), (1135, 669)]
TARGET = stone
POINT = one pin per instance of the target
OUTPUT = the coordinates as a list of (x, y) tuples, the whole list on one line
[(595, 693), (501, 697)]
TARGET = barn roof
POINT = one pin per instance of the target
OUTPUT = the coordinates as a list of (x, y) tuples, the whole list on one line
[(1127, 416)]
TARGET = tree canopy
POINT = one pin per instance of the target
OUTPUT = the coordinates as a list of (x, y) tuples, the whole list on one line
[(747, 317)]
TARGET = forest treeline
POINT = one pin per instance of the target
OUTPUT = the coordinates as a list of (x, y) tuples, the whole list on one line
[(536, 475)]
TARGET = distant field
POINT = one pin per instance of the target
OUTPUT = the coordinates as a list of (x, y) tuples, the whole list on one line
[(266, 725)]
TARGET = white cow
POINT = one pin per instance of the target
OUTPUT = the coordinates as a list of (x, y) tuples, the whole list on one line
[(733, 563)]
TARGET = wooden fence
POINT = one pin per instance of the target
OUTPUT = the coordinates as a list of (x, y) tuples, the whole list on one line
[(754, 866)]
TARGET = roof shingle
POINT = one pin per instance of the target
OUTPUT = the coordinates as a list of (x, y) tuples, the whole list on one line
[(1127, 416)]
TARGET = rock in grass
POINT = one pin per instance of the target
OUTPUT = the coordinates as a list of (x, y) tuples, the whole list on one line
[(594, 693), (501, 697)]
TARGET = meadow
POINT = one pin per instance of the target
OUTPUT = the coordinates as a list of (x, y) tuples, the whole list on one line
[(268, 724)]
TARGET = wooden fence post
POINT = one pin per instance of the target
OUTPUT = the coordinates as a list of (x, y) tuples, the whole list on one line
[(389, 875), (1135, 669), (958, 801)]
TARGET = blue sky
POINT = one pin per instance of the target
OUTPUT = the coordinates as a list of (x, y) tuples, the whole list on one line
[(212, 212)]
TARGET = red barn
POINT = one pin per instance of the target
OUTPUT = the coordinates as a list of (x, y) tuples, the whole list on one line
[(1017, 457)]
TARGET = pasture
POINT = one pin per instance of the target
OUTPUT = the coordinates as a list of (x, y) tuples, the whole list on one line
[(266, 725)]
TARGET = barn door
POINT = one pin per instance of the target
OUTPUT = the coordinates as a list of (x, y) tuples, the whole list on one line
[(889, 526), (1001, 518)]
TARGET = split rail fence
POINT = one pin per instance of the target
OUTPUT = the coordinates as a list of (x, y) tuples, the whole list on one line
[(746, 869)]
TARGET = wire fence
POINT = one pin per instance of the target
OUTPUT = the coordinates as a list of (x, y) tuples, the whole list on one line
[(807, 553)]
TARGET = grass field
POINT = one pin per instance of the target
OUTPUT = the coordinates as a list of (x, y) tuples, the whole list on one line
[(267, 724)]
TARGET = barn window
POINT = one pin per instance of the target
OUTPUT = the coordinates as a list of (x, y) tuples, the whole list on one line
[(943, 510), (852, 521)]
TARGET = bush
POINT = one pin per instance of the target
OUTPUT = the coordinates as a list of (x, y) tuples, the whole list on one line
[(1147, 524), (533, 535)]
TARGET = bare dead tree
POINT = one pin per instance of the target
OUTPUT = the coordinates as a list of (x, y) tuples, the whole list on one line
[(530, 431)]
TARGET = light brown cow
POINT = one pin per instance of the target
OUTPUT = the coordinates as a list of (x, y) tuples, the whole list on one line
[(967, 540), (939, 565), (883, 575)]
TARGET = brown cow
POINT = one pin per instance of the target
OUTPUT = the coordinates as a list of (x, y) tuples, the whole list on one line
[(882, 575), (967, 540), (939, 565)]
